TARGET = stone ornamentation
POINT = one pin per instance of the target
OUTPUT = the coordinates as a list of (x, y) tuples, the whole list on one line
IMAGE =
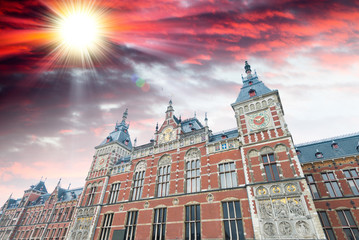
[(285, 228), (269, 229)]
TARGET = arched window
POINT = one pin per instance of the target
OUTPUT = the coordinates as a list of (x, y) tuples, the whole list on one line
[(270, 165), (138, 179), (193, 170), (163, 176), (91, 196)]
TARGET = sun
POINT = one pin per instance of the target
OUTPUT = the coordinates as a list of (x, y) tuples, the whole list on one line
[(80, 31)]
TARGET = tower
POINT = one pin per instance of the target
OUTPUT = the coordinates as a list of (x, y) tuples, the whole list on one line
[(280, 202), (115, 147)]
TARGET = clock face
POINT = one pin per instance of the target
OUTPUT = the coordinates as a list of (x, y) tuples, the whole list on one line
[(101, 162), (258, 120)]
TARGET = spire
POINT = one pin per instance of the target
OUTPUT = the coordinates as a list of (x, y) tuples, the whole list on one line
[(205, 119), (124, 117), (69, 186), (247, 67), (157, 127), (58, 183), (252, 86), (170, 110)]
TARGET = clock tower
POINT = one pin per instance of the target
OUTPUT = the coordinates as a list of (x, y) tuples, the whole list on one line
[(280, 202)]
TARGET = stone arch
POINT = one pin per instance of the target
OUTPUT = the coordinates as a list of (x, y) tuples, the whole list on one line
[(258, 105), (141, 166), (280, 147), (251, 106), (264, 103), (192, 154), (165, 160), (266, 150)]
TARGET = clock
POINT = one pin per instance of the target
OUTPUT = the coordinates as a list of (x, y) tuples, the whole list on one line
[(258, 120), (101, 162)]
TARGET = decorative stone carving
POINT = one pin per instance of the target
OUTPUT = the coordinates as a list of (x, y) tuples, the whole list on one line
[(291, 188), (296, 207), (285, 228), (275, 189), (269, 229), (266, 150), (280, 148), (280, 208), (253, 153), (262, 191), (141, 166), (121, 207), (192, 154), (210, 197), (164, 160), (147, 204), (175, 201), (302, 228), (265, 209)]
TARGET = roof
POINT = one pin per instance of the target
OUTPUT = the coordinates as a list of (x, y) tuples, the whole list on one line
[(123, 160), (39, 187), (325, 149), (13, 203), (68, 194), (190, 124), (230, 133), (120, 135), (251, 82)]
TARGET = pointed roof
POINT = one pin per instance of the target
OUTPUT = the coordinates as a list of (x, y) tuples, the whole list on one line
[(39, 187), (251, 83), (120, 134)]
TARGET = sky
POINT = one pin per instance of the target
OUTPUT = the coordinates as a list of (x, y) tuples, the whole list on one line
[(58, 103)]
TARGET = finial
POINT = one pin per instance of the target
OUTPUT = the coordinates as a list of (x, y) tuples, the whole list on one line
[(157, 127), (41, 178), (170, 102), (206, 119), (247, 67), (69, 186), (134, 142), (58, 183), (195, 114), (45, 179), (124, 117), (180, 118)]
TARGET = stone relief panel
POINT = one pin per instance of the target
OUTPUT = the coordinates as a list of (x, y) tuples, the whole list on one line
[(282, 211), (165, 160), (141, 166), (82, 225), (192, 154)]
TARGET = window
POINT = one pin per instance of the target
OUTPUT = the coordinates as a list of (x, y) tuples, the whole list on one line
[(65, 214), (193, 223), (270, 167), (64, 233), (252, 93), (106, 226), (91, 196), (227, 175), (60, 214), (163, 180), (130, 227), (312, 186), (58, 235), (159, 224), (348, 224), (115, 188), (353, 180), (53, 217), (72, 211), (43, 213), (232, 220), (193, 173), (327, 227), (138, 179), (331, 184), (52, 234)]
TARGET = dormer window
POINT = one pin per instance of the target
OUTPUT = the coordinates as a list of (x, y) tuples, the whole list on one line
[(298, 152), (224, 136), (318, 154), (250, 83), (335, 145), (252, 93), (190, 124), (357, 147), (108, 139)]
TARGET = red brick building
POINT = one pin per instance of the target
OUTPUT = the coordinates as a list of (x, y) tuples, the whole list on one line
[(250, 182), (39, 214)]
